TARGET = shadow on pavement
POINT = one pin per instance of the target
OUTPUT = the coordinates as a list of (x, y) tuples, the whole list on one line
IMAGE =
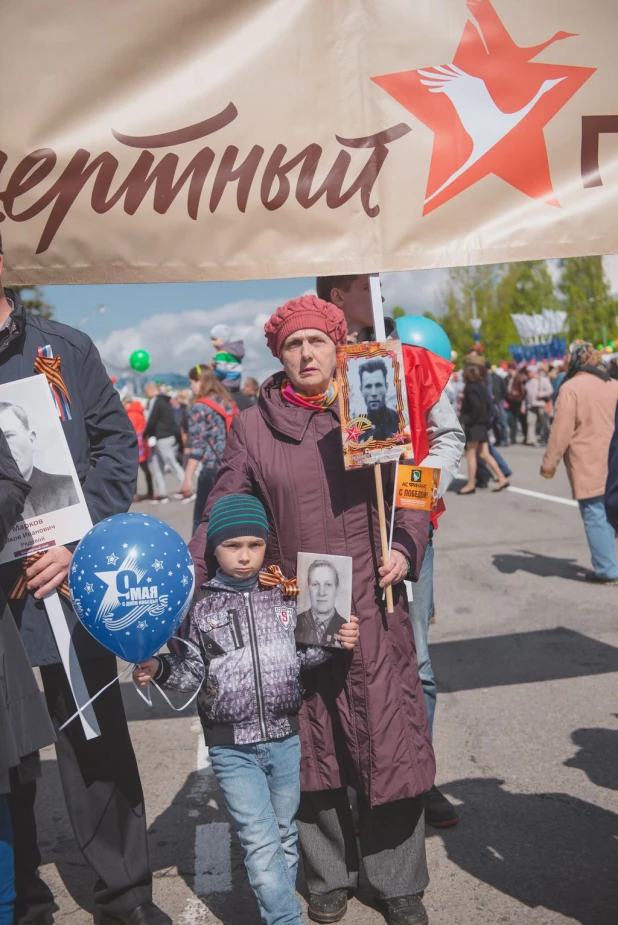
[(520, 658), (547, 849), (56, 841), (597, 756), (537, 564), (172, 839), (171, 842)]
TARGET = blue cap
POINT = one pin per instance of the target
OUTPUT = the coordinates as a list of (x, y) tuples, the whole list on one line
[(236, 515)]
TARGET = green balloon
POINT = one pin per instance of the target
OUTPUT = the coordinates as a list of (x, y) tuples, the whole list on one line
[(139, 361)]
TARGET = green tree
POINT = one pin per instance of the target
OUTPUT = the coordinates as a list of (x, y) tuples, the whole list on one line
[(469, 291), (398, 312), (495, 293), (526, 288), (34, 301), (587, 299)]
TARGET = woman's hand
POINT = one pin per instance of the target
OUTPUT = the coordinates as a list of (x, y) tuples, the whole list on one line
[(145, 672), (548, 473), (395, 569), (186, 489), (349, 633)]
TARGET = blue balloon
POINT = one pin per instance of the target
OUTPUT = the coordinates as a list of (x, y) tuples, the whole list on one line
[(423, 332), (132, 581)]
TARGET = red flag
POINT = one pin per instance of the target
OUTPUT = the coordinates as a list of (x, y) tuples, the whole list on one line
[(426, 376)]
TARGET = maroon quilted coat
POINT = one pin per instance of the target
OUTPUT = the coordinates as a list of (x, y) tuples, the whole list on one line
[(363, 719)]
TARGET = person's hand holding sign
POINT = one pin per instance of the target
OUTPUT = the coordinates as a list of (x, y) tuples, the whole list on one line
[(48, 572), (395, 570)]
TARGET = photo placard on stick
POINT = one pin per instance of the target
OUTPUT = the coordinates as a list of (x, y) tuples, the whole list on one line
[(375, 424), (325, 599), (417, 487), (55, 512)]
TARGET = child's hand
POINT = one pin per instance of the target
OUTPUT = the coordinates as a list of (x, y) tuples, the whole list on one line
[(145, 671), (349, 633)]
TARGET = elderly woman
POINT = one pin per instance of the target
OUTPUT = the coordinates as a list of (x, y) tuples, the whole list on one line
[(363, 721)]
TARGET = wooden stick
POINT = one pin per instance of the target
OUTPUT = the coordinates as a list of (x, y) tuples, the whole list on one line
[(383, 534)]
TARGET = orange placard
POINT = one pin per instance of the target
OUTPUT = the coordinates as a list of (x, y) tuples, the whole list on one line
[(417, 487)]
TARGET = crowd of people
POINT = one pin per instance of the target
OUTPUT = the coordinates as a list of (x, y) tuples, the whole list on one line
[(291, 728)]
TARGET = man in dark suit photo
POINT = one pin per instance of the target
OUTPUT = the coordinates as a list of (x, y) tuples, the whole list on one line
[(373, 376), (320, 625), (48, 491)]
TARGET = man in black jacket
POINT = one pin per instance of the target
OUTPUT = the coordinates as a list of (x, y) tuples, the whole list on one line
[(25, 725), (162, 426), (99, 776)]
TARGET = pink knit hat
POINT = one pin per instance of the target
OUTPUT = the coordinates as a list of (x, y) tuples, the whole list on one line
[(305, 312)]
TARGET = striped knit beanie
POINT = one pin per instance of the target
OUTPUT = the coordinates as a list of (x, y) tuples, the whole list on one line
[(235, 515)]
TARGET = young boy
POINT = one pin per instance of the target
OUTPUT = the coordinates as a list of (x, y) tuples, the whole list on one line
[(228, 357), (248, 669)]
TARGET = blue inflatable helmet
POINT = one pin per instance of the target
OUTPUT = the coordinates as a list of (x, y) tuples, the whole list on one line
[(423, 332)]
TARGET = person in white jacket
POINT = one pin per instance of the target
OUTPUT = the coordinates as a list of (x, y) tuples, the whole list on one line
[(446, 446), (538, 392)]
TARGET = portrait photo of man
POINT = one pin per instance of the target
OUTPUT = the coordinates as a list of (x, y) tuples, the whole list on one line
[(48, 491), (374, 385), (320, 624)]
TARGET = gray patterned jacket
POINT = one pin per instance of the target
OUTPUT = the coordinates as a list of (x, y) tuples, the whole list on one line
[(251, 691)]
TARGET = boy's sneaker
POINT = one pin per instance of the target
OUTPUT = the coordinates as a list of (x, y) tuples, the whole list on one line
[(162, 500), (328, 907), (405, 910), (595, 579), (438, 811)]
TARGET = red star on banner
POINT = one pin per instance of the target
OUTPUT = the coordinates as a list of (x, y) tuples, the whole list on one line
[(488, 109), (400, 438), (354, 432)]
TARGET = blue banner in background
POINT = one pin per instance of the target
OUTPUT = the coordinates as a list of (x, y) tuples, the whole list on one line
[(554, 350)]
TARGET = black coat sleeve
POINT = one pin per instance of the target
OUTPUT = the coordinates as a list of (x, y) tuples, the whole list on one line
[(611, 488), (13, 491), (110, 484)]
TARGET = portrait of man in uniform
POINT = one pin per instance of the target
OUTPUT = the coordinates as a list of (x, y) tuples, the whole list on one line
[(49, 491), (374, 383), (325, 586)]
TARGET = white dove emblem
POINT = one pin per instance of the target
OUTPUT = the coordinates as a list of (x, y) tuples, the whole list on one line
[(482, 119)]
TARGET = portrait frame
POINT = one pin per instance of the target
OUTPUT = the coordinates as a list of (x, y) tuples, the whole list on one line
[(56, 512), (309, 630), (359, 447)]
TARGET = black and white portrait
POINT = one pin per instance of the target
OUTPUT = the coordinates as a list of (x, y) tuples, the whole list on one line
[(49, 490), (377, 389), (325, 600), (373, 407), (55, 512)]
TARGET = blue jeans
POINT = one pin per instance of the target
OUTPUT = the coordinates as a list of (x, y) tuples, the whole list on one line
[(504, 467), (7, 874), (421, 612), (261, 786), (601, 537)]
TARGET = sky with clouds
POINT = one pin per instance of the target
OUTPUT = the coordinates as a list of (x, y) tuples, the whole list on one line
[(172, 321)]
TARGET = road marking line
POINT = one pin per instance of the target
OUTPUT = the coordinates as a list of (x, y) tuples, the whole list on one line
[(542, 496), (213, 860)]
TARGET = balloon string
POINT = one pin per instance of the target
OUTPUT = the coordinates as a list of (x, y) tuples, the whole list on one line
[(148, 699), (145, 697), (81, 709)]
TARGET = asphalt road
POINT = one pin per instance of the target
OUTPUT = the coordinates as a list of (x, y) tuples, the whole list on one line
[(526, 654)]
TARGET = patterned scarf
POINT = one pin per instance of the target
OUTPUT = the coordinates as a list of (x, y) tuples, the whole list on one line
[(319, 402), (584, 358)]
